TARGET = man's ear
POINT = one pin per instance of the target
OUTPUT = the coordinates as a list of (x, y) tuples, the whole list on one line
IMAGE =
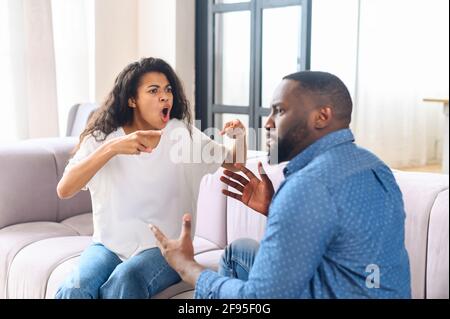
[(324, 117), (131, 103)]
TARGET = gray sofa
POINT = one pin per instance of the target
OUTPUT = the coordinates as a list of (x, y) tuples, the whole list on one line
[(41, 236)]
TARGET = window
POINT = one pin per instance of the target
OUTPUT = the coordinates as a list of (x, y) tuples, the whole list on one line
[(243, 49)]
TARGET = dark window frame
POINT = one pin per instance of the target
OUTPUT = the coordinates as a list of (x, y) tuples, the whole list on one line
[(204, 58)]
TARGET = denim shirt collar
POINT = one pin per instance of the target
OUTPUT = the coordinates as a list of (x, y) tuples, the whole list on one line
[(320, 146)]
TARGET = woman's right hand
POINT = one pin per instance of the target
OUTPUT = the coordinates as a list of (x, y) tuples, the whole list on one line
[(135, 143)]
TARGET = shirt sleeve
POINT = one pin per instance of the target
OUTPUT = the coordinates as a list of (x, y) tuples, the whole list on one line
[(208, 154), (87, 146), (302, 221), (207, 157)]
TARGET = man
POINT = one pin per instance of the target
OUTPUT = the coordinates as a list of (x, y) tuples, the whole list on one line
[(335, 227)]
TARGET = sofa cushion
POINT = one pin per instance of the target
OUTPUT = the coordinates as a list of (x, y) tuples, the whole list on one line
[(438, 251), (43, 256), (60, 273), (202, 245), (82, 224), (174, 290), (19, 237), (185, 295), (209, 259)]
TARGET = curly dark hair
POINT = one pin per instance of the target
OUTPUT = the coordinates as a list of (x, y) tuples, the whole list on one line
[(115, 111)]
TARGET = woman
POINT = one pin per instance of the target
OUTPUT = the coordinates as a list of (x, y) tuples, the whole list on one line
[(127, 158)]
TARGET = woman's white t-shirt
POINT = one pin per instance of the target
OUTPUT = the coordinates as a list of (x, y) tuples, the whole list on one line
[(131, 191)]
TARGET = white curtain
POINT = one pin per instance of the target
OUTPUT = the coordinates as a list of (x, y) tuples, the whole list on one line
[(27, 78), (402, 59), (74, 42), (391, 54), (7, 129)]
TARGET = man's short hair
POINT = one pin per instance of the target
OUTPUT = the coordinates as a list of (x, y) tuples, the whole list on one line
[(328, 87)]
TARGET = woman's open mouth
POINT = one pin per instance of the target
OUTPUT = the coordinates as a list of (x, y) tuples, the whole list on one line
[(165, 114)]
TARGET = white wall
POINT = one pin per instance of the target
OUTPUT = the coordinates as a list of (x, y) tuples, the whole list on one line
[(166, 29), (334, 38), (129, 30), (116, 39), (185, 47), (156, 29)]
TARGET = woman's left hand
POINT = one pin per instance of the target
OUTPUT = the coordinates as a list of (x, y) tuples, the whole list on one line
[(233, 129)]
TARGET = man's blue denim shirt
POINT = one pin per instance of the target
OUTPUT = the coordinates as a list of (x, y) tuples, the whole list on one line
[(335, 229)]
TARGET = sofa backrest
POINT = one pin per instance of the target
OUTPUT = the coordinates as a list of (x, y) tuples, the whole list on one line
[(221, 220), (437, 269), (30, 171), (79, 115), (212, 210), (425, 197), (243, 221)]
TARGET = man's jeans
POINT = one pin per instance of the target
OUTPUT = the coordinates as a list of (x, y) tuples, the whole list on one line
[(238, 258), (101, 274)]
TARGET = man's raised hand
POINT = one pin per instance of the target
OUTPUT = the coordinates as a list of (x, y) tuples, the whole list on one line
[(253, 192)]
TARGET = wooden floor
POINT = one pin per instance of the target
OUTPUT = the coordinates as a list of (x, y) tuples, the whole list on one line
[(429, 169)]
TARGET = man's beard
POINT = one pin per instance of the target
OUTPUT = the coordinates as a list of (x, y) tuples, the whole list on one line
[(279, 151), (288, 146)]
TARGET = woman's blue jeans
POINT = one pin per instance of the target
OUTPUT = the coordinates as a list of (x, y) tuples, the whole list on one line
[(238, 258), (102, 275)]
